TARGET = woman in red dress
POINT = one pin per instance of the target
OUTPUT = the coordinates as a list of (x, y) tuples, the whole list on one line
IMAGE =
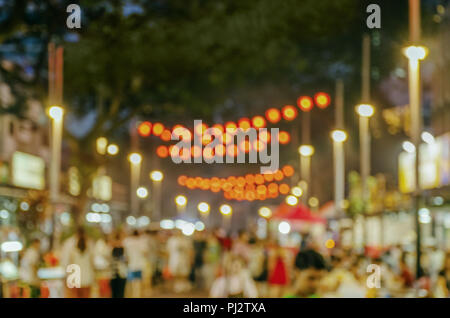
[(278, 277)]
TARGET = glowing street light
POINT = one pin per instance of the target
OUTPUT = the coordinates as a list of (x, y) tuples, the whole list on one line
[(112, 149), (56, 113), (297, 191), (156, 175), (409, 147), (203, 207), (226, 210), (101, 145), (339, 135), (180, 200), (142, 192), (365, 110), (135, 158), (291, 200), (427, 137), (415, 53), (306, 150), (265, 212)]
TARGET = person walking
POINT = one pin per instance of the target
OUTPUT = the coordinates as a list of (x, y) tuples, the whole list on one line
[(118, 267)]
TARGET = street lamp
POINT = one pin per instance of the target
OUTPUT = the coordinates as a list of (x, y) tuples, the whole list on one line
[(306, 152), (339, 136), (415, 54), (203, 208), (112, 149), (181, 202), (226, 210), (365, 112), (142, 192), (297, 191), (265, 212), (135, 160), (56, 113), (156, 176), (291, 200)]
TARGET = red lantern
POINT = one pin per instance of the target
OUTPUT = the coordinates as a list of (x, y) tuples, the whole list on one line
[(158, 129), (273, 115), (289, 112), (145, 129), (305, 103), (322, 100), (258, 122)]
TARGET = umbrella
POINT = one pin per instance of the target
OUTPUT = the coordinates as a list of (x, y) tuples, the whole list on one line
[(297, 213)]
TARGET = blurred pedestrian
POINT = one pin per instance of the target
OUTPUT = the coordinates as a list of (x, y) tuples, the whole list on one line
[(136, 255), (29, 265), (118, 267), (82, 255)]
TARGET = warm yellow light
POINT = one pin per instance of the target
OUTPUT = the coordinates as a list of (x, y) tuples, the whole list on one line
[(135, 158), (339, 135), (306, 150), (56, 112), (225, 209), (156, 175), (416, 53), (203, 207), (365, 110), (329, 243), (181, 200), (142, 192), (101, 144), (313, 202), (291, 200), (112, 149), (297, 191), (265, 212)]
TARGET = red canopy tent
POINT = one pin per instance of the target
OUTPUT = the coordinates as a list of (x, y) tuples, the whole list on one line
[(296, 213)]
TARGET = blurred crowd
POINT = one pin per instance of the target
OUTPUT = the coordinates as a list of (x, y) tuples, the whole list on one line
[(154, 263)]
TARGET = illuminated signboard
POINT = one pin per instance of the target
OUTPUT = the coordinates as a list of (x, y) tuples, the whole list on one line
[(28, 171)]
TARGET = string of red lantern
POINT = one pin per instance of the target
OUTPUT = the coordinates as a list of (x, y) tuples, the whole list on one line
[(273, 115), (233, 186)]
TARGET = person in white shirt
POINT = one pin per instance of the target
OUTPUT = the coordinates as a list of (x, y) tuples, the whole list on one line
[(180, 260), (136, 254), (236, 282), (82, 255), (29, 267)]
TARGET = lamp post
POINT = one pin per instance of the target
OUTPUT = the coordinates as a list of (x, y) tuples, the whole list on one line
[(306, 152), (339, 137), (181, 202), (56, 113), (135, 160), (365, 111), (156, 176), (415, 54)]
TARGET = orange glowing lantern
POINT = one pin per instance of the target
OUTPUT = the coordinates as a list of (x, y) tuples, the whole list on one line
[(284, 137), (268, 177), (208, 153), (162, 151), (264, 136), (196, 151), (259, 179), (244, 123), (258, 122), (273, 115), (322, 100), (288, 170), (145, 129), (289, 112), (284, 188), (231, 127), (166, 135), (158, 129), (278, 176), (305, 103), (182, 180), (232, 150)]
